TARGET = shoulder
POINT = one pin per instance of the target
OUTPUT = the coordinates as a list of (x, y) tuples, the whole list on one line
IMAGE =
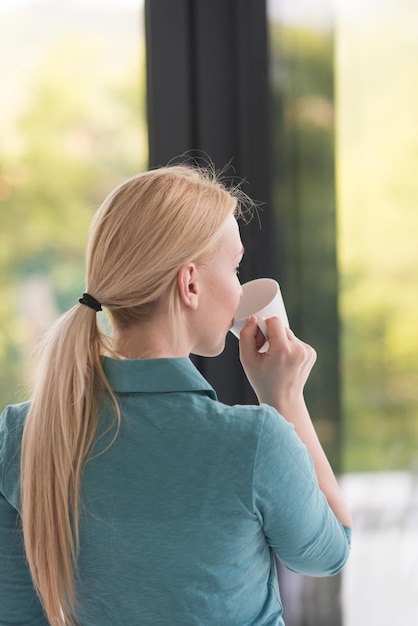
[(255, 422), (263, 417), (248, 415), (12, 421)]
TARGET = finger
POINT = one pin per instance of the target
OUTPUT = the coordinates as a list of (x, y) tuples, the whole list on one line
[(307, 354), (289, 333), (248, 338), (312, 356), (310, 351), (250, 328), (277, 332), (260, 339)]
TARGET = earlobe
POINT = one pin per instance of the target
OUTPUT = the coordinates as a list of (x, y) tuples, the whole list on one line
[(187, 284)]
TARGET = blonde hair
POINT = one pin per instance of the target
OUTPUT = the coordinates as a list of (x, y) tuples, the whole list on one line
[(140, 236)]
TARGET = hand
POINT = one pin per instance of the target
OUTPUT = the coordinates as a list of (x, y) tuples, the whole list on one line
[(277, 376)]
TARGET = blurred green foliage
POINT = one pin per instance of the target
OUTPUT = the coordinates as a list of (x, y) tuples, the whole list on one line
[(345, 135), (80, 132), (377, 164)]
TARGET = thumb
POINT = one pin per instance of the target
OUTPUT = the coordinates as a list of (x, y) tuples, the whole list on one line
[(250, 328)]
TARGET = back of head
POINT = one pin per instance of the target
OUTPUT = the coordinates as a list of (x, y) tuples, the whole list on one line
[(145, 230)]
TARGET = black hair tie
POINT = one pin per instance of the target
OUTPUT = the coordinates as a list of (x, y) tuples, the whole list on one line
[(91, 302)]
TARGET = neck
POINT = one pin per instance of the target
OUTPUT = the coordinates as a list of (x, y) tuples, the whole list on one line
[(150, 340)]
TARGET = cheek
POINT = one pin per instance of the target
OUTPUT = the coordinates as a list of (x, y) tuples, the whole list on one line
[(227, 294), (236, 293)]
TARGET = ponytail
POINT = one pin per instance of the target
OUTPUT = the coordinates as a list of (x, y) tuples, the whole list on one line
[(58, 435)]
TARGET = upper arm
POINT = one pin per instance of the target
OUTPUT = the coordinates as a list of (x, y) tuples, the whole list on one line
[(19, 604), (297, 520)]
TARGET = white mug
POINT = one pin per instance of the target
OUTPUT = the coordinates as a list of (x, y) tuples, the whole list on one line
[(261, 297)]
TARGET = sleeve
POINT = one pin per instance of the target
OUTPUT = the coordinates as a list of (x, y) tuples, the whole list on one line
[(19, 603), (297, 521)]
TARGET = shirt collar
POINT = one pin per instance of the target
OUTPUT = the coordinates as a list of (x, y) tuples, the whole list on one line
[(155, 376)]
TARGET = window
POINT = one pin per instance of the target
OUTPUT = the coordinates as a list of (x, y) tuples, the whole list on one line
[(73, 125)]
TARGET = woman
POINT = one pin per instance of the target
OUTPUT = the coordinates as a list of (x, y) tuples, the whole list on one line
[(128, 493)]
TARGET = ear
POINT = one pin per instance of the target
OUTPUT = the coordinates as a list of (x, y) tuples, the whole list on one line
[(187, 284)]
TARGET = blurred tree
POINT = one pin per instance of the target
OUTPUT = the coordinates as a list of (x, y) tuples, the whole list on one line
[(378, 228), (81, 133)]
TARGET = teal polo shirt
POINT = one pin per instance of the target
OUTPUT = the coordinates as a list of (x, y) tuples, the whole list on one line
[(183, 514)]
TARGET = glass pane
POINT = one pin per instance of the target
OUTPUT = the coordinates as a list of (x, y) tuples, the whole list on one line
[(303, 186), (378, 192), (377, 162), (72, 126)]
